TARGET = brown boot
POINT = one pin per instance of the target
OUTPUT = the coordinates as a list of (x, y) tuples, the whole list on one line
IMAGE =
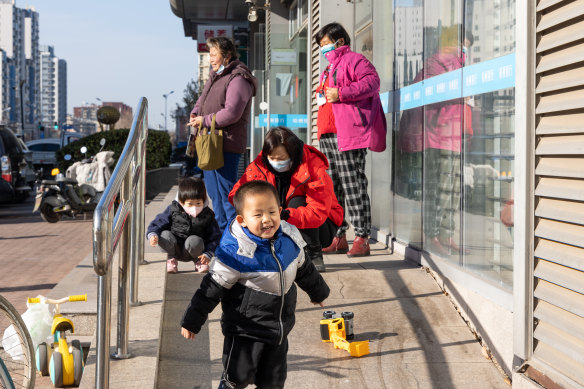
[(339, 246), (360, 247)]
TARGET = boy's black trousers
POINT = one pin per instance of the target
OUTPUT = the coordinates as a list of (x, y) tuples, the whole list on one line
[(247, 362)]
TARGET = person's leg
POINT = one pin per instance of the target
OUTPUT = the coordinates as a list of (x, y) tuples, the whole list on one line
[(241, 358), (329, 147), (210, 178), (354, 181), (327, 232), (449, 196), (226, 179), (273, 367), (194, 247), (168, 243), (433, 169), (313, 249)]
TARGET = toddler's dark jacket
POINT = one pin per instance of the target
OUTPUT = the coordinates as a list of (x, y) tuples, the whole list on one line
[(182, 225), (254, 279)]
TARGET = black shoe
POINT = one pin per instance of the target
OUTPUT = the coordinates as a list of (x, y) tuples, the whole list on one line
[(314, 253)]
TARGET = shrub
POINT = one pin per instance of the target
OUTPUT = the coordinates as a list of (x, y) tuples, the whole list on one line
[(158, 148)]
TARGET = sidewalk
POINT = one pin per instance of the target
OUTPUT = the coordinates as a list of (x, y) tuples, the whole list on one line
[(417, 339)]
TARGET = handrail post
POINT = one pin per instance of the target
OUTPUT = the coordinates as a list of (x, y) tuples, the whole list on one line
[(123, 260), (103, 330), (137, 257)]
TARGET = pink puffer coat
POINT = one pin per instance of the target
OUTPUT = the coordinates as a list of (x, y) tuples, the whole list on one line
[(359, 116)]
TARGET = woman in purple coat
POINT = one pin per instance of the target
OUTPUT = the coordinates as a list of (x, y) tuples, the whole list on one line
[(350, 84), (227, 94)]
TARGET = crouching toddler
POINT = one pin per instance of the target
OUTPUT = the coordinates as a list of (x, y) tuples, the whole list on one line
[(187, 230)]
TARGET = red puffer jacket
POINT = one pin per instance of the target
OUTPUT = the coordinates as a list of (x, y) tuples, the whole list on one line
[(310, 180)]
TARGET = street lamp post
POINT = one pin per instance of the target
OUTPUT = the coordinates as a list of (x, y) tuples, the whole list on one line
[(165, 109)]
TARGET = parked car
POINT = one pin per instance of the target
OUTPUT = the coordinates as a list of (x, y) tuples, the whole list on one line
[(43, 150), (17, 180)]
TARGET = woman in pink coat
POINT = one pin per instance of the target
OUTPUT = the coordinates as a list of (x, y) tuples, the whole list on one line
[(349, 91)]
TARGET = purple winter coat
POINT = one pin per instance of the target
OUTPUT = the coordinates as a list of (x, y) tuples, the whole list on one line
[(359, 116)]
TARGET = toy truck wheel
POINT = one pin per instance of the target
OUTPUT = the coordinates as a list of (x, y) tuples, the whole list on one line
[(56, 370), (42, 359)]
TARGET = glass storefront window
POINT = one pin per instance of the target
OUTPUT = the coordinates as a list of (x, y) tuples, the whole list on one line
[(490, 24), (454, 157), (409, 126), (488, 187), (363, 13), (288, 78), (443, 134)]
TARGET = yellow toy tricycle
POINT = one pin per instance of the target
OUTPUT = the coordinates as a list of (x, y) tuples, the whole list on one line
[(62, 361)]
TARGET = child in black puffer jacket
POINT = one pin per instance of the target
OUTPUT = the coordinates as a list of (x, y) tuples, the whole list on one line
[(187, 229)]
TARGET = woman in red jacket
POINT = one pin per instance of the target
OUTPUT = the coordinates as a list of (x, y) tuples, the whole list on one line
[(298, 172)]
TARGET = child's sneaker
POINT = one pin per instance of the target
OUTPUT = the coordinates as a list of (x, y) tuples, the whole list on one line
[(171, 265), (201, 268)]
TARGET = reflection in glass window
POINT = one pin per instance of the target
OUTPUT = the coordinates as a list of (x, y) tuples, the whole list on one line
[(363, 13), (409, 29), (364, 43), (409, 126), (443, 134), (488, 187), (492, 25)]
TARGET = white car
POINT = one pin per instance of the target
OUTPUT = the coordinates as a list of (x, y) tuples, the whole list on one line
[(43, 150)]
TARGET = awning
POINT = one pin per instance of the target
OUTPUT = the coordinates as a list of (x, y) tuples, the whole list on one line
[(209, 12)]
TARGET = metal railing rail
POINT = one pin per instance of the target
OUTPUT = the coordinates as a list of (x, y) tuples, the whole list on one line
[(124, 225)]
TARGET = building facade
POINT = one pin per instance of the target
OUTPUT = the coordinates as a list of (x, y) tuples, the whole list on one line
[(53, 91), (19, 40), (498, 83)]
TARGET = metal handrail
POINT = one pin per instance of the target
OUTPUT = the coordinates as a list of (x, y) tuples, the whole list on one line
[(123, 226)]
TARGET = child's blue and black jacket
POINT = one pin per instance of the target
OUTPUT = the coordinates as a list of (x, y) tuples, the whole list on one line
[(254, 279)]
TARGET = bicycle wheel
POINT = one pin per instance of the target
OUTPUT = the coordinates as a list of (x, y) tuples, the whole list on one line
[(16, 349)]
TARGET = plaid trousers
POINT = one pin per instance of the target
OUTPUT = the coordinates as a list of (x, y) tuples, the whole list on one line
[(347, 170), (442, 192)]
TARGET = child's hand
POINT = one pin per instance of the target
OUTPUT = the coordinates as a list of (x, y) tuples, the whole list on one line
[(321, 303), (204, 259), (154, 240), (187, 334)]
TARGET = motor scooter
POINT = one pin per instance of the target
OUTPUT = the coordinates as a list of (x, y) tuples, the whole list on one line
[(65, 196)]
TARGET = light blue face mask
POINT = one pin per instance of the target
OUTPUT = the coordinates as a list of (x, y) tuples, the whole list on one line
[(220, 70), (328, 48), (281, 166)]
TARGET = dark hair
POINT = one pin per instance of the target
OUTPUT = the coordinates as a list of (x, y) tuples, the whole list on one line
[(191, 188), (252, 188), (225, 46), (469, 36), (282, 136), (334, 31)]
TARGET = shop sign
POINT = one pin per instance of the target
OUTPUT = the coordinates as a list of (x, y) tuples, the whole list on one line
[(484, 77), (205, 32), (291, 121)]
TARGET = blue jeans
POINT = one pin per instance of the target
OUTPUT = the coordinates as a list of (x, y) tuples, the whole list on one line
[(219, 183)]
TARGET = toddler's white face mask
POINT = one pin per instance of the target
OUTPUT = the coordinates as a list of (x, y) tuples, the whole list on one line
[(193, 211)]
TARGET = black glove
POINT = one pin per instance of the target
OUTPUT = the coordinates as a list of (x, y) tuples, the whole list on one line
[(285, 214)]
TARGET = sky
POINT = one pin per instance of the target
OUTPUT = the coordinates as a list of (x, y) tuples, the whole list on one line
[(119, 50)]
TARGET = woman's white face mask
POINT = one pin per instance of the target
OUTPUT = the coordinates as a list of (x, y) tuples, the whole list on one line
[(281, 166)]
